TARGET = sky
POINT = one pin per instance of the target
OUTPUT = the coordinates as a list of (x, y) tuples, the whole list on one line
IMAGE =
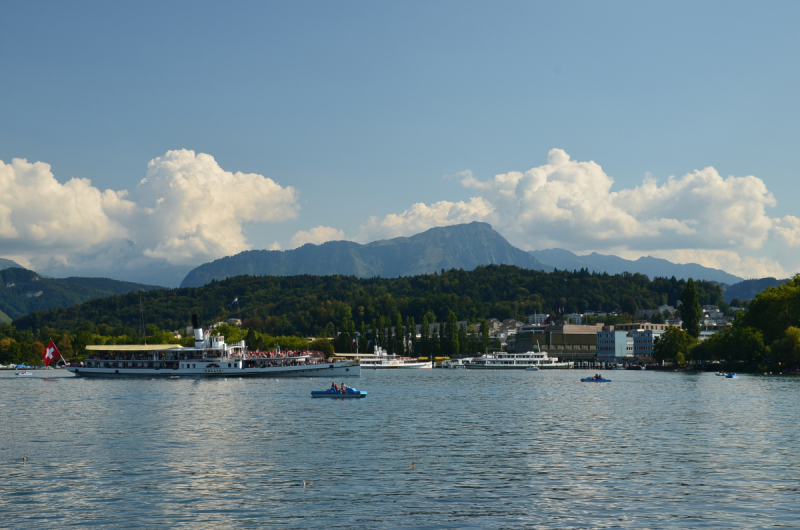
[(139, 140)]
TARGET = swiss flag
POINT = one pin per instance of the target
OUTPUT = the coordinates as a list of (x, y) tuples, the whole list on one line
[(50, 353)]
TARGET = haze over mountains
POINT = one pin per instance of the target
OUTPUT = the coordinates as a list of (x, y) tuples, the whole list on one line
[(462, 246), (564, 259)]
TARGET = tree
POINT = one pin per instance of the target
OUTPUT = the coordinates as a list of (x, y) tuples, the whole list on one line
[(399, 336), (629, 306), (65, 346), (251, 339), (452, 334), (658, 318), (673, 345), (322, 345), (484, 335), (424, 341), (786, 351), (37, 352), (691, 311)]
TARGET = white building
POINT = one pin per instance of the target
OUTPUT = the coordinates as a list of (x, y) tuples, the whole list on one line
[(614, 346), (536, 318)]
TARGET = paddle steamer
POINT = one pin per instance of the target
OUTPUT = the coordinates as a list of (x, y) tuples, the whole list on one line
[(210, 357)]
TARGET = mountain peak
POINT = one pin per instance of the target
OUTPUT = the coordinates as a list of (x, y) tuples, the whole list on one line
[(463, 246)]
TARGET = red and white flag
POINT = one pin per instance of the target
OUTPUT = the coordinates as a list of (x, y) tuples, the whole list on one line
[(50, 353)]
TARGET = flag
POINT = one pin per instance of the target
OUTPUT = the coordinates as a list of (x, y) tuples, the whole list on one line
[(50, 353), (235, 301)]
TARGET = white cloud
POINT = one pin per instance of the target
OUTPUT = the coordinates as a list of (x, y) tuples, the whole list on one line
[(727, 260), (571, 204), (421, 217), (316, 235), (788, 230), (36, 211), (186, 211), (275, 246)]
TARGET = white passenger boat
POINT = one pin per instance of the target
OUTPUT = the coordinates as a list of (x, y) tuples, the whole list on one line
[(381, 359), (517, 361), (210, 357)]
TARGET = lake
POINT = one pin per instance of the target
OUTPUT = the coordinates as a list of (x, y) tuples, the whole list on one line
[(491, 449)]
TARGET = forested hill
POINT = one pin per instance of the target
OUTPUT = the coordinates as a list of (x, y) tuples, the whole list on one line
[(462, 246), (314, 305), (23, 291)]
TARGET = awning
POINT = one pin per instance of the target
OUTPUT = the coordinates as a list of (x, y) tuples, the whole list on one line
[(134, 347)]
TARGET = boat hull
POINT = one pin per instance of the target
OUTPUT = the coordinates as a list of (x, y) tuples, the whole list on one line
[(342, 369), (592, 380), (520, 367), (337, 394)]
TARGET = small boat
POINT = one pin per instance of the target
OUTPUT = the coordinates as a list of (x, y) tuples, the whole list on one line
[(532, 369), (26, 372), (731, 376), (348, 393), (720, 373), (595, 380)]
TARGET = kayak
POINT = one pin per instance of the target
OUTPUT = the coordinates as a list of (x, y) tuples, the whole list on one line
[(349, 393), (593, 380)]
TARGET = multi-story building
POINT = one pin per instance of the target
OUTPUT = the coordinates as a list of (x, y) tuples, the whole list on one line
[(643, 340), (536, 318), (614, 346)]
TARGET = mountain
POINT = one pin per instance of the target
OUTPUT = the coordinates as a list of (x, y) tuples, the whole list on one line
[(652, 267), (462, 246), (7, 264), (748, 289), (23, 291)]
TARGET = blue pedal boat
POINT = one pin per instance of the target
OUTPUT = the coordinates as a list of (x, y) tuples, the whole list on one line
[(731, 376), (593, 380), (331, 393)]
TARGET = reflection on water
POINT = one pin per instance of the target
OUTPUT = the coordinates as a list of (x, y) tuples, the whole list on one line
[(491, 450)]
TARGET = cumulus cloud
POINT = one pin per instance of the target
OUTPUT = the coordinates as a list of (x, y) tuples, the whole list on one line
[(316, 235), (185, 211), (788, 230), (572, 204), (421, 217)]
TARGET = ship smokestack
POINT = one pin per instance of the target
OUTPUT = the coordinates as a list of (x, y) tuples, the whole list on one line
[(198, 332)]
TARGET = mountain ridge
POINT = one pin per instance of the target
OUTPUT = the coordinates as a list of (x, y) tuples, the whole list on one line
[(463, 246), (652, 267), (23, 291)]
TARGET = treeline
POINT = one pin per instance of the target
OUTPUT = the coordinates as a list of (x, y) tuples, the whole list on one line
[(766, 336), (317, 305)]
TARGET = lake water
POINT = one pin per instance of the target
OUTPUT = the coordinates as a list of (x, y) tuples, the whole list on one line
[(490, 450)]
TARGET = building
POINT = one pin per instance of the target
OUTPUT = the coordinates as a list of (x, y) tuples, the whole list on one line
[(536, 318), (641, 325), (643, 340), (572, 342), (614, 346)]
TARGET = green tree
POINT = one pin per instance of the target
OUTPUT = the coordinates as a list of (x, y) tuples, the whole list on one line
[(673, 345), (485, 335), (37, 353), (322, 345), (424, 341), (630, 306), (452, 334), (786, 351), (251, 340), (65, 346), (691, 311)]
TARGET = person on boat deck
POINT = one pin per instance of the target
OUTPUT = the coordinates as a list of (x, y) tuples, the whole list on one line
[(334, 387), (343, 387)]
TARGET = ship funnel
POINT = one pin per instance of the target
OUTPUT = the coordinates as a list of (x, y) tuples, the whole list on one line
[(198, 332)]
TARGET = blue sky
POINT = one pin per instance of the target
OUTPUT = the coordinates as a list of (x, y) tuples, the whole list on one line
[(365, 109)]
